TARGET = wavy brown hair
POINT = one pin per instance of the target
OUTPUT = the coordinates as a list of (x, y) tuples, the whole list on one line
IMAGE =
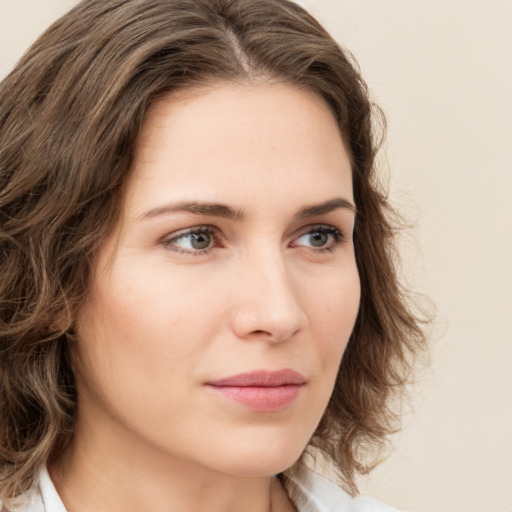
[(70, 114)]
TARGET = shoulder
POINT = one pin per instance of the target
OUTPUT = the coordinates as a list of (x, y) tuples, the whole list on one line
[(312, 492)]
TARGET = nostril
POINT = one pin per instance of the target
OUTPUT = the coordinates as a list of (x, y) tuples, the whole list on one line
[(265, 333)]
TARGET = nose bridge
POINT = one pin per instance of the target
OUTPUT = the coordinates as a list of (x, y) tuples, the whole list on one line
[(268, 302)]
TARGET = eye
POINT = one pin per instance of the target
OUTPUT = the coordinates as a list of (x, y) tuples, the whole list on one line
[(320, 238), (193, 241)]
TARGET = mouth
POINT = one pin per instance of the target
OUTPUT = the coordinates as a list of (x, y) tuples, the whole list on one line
[(263, 391)]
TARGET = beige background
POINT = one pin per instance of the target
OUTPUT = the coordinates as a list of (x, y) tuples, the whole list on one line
[(442, 70)]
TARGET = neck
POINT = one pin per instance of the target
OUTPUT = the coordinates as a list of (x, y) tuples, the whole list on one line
[(110, 475)]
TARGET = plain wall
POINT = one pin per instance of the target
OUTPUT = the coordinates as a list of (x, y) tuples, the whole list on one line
[(442, 71)]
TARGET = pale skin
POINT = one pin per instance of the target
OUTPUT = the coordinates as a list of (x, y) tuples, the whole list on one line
[(234, 254)]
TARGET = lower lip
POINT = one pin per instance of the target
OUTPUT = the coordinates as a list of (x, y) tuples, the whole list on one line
[(264, 399)]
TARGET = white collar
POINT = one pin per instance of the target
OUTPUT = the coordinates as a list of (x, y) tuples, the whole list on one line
[(311, 492), (51, 501)]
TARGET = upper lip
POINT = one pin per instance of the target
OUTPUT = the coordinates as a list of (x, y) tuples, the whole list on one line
[(261, 378)]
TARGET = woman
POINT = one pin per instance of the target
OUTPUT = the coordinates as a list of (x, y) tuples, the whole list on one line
[(198, 286)]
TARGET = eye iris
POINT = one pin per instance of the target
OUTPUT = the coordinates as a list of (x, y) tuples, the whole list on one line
[(319, 239), (200, 240)]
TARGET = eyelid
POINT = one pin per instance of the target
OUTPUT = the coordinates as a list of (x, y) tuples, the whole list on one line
[(334, 231), (167, 241), (318, 226)]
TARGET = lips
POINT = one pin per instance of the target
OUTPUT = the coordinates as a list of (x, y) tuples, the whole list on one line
[(264, 391)]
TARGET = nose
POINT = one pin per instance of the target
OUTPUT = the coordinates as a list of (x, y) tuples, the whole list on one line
[(267, 301)]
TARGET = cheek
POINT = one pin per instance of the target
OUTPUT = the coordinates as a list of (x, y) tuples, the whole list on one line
[(139, 307), (332, 319), (139, 328), (334, 304)]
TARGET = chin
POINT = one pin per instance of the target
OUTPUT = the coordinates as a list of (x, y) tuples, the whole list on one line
[(268, 460)]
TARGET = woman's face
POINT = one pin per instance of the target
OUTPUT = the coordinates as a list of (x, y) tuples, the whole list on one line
[(219, 310)]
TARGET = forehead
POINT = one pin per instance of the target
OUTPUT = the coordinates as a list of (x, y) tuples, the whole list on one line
[(232, 141)]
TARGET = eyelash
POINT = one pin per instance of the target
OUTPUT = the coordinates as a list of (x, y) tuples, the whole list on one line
[(209, 230), (336, 235)]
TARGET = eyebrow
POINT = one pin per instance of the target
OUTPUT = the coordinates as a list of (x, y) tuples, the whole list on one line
[(196, 208), (323, 208), (227, 212)]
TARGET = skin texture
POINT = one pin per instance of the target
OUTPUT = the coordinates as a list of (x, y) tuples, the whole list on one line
[(267, 290)]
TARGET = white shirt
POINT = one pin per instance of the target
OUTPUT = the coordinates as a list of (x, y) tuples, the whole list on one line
[(309, 491)]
